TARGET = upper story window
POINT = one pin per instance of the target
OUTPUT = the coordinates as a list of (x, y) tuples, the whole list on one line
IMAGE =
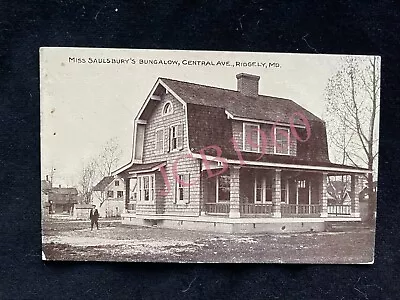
[(282, 140), (251, 137), (160, 140), (116, 182), (110, 194), (167, 109), (175, 137), (120, 194)]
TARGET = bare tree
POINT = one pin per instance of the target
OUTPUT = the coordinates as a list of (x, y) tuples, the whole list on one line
[(109, 157), (352, 115), (87, 181), (106, 162)]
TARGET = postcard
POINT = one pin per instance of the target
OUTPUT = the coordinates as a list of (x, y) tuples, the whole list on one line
[(205, 156)]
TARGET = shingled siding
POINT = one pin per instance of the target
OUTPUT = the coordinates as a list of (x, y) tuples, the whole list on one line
[(165, 204), (237, 132)]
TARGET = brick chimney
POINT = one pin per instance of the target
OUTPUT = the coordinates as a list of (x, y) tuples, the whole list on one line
[(247, 84)]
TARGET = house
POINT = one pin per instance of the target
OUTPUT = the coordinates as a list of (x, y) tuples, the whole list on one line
[(208, 158), (108, 196), (62, 199)]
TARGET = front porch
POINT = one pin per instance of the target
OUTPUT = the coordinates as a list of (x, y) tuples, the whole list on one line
[(248, 200), (275, 193)]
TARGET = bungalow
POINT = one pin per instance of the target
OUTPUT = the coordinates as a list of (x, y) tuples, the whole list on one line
[(208, 158), (108, 196)]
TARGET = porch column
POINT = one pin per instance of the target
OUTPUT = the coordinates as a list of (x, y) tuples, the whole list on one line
[(323, 195), (127, 181), (276, 194), (203, 193), (354, 195), (234, 198)]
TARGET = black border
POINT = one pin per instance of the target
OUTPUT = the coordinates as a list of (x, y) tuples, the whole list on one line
[(344, 27)]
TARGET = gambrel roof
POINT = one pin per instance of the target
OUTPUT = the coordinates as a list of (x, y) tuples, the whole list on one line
[(262, 108), (210, 111)]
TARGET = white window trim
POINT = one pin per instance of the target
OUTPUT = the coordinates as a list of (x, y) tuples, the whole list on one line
[(187, 180), (177, 198), (163, 109), (163, 142), (170, 137), (244, 137), (141, 190), (263, 189), (274, 142)]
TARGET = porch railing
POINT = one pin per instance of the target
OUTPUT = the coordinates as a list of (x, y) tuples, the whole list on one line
[(217, 208), (339, 210), (300, 209), (255, 209), (131, 207)]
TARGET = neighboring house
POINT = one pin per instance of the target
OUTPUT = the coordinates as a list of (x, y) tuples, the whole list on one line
[(269, 157), (108, 196), (62, 199)]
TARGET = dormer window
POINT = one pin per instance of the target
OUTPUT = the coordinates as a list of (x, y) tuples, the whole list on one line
[(167, 109), (282, 140), (251, 137)]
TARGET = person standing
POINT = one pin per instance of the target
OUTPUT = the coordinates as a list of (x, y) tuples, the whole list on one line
[(94, 217)]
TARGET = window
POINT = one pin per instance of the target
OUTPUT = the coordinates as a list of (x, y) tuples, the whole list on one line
[(284, 190), (116, 182), (120, 194), (223, 187), (182, 188), (259, 197), (176, 137), (179, 188), (146, 188), (110, 194), (167, 109), (301, 184), (251, 137), (263, 189), (160, 141), (282, 140)]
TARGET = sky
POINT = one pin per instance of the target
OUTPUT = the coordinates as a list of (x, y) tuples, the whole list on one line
[(85, 103)]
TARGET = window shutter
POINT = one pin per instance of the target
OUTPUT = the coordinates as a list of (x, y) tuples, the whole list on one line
[(187, 188), (168, 147), (174, 188), (180, 136)]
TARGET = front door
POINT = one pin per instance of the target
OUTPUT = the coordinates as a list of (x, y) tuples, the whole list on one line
[(302, 190)]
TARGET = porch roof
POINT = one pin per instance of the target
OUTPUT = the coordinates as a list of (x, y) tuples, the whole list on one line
[(290, 162), (143, 168)]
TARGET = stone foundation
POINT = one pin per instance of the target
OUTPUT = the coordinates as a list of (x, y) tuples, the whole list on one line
[(226, 225)]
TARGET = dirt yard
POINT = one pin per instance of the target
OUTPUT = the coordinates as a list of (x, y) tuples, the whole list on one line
[(73, 240)]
